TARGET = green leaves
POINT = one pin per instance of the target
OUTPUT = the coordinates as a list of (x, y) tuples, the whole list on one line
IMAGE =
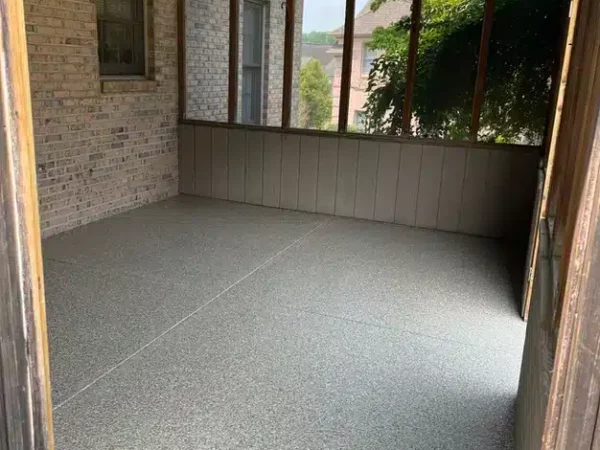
[(315, 96), (523, 50)]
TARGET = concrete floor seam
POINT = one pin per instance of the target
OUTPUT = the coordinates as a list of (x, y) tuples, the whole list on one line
[(193, 313)]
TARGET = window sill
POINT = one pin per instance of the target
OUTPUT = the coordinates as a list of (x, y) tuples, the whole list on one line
[(125, 84)]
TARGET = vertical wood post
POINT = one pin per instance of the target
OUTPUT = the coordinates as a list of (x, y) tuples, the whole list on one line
[(288, 63), (482, 63), (181, 59), (346, 66), (25, 404), (234, 49), (411, 65)]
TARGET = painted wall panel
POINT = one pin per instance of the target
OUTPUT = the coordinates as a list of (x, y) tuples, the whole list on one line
[(203, 161), (290, 168), (480, 191), (328, 156), (272, 170), (387, 181), (366, 180), (473, 208), (408, 184), (309, 166), (428, 199), (220, 172), (346, 178), (453, 176), (254, 167), (237, 165), (186, 159)]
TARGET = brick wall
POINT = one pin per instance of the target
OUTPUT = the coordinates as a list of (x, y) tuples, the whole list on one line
[(101, 148), (207, 60)]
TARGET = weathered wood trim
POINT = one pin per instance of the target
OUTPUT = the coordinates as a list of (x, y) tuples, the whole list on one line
[(346, 66), (25, 412), (288, 63), (482, 63), (234, 34), (411, 65)]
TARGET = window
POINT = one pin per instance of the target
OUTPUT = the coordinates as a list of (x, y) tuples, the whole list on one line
[(360, 121), (121, 37), (368, 57), (252, 62)]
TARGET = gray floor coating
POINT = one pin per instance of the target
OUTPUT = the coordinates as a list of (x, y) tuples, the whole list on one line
[(201, 324)]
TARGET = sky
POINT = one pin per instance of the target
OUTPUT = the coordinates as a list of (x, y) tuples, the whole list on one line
[(325, 15)]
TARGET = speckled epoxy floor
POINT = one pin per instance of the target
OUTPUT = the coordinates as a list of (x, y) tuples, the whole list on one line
[(200, 324)]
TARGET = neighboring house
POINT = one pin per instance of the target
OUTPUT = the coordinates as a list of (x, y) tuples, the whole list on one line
[(322, 53), (261, 40), (362, 58)]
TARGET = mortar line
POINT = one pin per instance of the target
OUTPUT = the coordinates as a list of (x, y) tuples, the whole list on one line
[(193, 313)]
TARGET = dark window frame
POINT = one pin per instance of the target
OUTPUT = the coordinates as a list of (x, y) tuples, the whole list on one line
[(137, 29)]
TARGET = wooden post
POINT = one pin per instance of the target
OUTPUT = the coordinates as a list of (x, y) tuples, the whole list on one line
[(234, 48), (288, 63), (181, 59), (25, 404), (484, 50), (411, 65), (346, 66)]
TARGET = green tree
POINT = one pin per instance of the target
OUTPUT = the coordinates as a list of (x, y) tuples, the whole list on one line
[(523, 50), (318, 37), (315, 96)]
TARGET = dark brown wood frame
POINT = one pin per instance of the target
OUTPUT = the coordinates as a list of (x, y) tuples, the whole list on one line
[(346, 66), (25, 403), (482, 62), (234, 49), (234, 11), (288, 63), (411, 66)]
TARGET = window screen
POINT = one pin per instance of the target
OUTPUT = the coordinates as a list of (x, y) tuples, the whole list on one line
[(121, 37), (252, 62)]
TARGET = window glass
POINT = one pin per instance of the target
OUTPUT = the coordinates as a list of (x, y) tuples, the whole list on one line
[(522, 56), (380, 34), (121, 37), (369, 57), (252, 62), (318, 65)]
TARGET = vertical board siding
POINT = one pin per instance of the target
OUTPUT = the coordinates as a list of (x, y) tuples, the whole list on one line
[(237, 165), (309, 166), (486, 192), (497, 195), (203, 161), (408, 184), (186, 159), (346, 178), (366, 180), (326, 178), (290, 168), (473, 208), (428, 199), (453, 176), (254, 167), (272, 170), (220, 172), (387, 182)]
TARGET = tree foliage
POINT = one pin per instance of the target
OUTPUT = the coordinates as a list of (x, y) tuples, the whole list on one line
[(523, 51), (318, 37), (315, 96)]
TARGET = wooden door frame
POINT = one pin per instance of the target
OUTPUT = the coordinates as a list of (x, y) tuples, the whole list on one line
[(25, 404)]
